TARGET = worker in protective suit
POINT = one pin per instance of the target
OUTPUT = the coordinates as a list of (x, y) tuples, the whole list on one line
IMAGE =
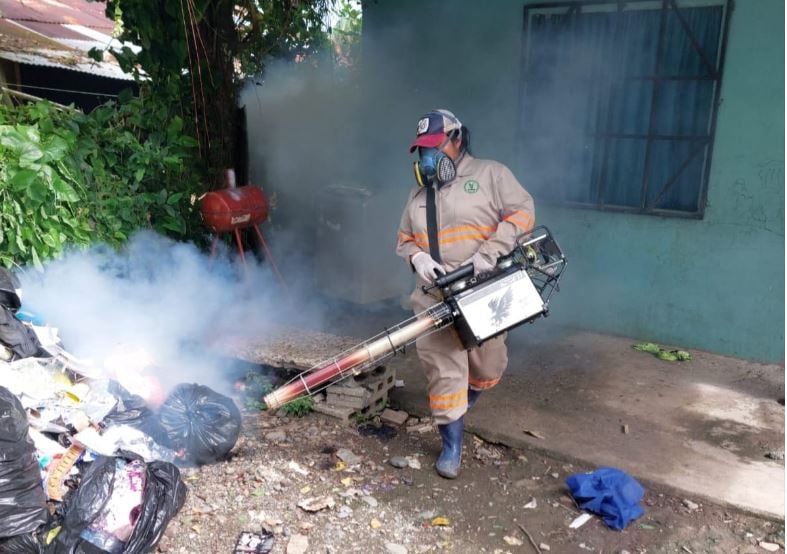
[(463, 210)]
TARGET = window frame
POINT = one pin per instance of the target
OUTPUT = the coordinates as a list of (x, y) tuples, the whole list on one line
[(707, 143)]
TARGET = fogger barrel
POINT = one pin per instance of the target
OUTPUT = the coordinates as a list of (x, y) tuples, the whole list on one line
[(363, 356)]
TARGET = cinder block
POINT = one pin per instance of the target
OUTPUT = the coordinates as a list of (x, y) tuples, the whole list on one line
[(343, 414), (353, 390), (394, 417), (356, 402), (364, 394)]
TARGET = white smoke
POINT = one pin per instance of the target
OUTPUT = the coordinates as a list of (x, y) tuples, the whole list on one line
[(162, 298)]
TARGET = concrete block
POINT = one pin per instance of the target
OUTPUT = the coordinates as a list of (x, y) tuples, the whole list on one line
[(356, 402), (394, 417), (341, 413)]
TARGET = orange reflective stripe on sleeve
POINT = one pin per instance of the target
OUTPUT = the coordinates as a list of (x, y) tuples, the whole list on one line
[(459, 230), (464, 228), (472, 236), (404, 237), (457, 234), (521, 219)]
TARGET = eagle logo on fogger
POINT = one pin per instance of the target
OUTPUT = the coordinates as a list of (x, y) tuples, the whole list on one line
[(500, 307), (423, 126)]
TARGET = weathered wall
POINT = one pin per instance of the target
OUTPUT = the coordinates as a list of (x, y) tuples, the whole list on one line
[(716, 283)]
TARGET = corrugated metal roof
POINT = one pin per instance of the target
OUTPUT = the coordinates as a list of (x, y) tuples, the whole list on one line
[(58, 33), (78, 12), (52, 59), (52, 30), (16, 37), (22, 45)]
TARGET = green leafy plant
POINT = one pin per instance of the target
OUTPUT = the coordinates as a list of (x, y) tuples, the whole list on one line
[(67, 178), (362, 419), (299, 407), (256, 386)]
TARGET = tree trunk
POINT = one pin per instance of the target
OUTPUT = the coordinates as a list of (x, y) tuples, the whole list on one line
[(215, 88)]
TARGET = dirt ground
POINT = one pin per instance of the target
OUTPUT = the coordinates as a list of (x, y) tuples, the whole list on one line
[(373, 507)]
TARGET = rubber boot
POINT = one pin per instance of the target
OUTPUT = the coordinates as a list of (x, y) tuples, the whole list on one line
[(472, 397), (451, 457)]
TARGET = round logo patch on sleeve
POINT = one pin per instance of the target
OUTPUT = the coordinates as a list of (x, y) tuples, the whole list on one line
[(471, 187)]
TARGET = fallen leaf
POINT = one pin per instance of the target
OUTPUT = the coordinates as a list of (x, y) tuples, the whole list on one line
[(52, 534), (667, 356), (305, 489), (340, 466), (647, 347), (532, 504), (316, 504), (347, 481), (513, 541), (375, 523), (440, 521)]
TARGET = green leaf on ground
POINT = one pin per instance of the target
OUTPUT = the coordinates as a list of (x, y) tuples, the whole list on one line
[(661, 354), (647, 347)]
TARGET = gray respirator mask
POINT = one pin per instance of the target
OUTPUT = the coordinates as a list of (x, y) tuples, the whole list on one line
[(434, 165)]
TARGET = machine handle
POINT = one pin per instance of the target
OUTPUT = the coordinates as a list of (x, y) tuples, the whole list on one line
[(455, 275), (452, 276)]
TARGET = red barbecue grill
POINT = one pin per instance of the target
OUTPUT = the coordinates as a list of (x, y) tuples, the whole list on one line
[(234, 208)]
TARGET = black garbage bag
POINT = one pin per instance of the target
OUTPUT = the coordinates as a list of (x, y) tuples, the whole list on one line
[(200, 421), (29, 543), (163, 496), (86, 503), (9, 285), (22, 498), (20, 339), (165, 493), (132, 410)]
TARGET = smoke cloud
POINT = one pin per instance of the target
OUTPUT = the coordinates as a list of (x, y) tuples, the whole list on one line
[(163, 300), (320, 148)]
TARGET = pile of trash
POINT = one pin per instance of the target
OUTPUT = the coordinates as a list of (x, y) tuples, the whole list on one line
[(87, 466)]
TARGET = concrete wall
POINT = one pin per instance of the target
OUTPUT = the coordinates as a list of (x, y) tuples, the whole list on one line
[(716, 283)]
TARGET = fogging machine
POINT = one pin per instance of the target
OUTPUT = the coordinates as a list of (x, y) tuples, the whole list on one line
[(480, 307)]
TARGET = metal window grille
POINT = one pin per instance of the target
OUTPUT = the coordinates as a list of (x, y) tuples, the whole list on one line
[(618, 102)]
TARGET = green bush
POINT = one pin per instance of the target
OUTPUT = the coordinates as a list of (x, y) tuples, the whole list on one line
[(70, 178)]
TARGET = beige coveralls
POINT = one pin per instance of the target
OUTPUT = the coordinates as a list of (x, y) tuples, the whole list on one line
[(482, 210)]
